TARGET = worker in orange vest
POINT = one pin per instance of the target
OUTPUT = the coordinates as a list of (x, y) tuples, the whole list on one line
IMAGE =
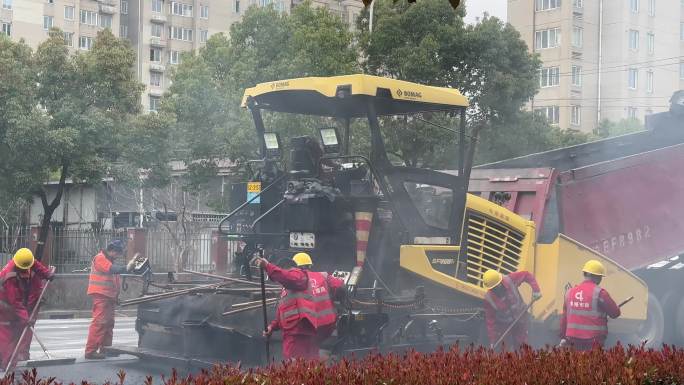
[(306, 313), (21, 282), (503, 304), (103, 288), (587, 306)]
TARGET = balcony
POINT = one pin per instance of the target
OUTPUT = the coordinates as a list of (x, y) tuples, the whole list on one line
[(157, 67), (110, 3), (108, 9), (158, 17), (157, 42)]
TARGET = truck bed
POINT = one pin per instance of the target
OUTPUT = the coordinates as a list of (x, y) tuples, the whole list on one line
[(620, 196)]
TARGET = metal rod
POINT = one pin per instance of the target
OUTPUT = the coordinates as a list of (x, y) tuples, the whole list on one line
[(225, 278), (625, 302), (251, 303), (264, 215), (244, 309), (41, 343), (170, 294), (263, 306)]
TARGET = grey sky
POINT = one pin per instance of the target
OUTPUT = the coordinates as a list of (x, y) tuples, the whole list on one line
[(475, 9)]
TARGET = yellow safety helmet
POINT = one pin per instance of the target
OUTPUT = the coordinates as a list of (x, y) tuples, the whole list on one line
[(491, 278), (23, 259), (302, 259), (594, 267)]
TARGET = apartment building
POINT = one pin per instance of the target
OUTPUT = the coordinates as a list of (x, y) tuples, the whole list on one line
[(160, 31), (602, 59), (79, 19)]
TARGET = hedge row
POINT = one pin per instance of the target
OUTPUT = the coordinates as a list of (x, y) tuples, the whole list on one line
[(471, 366)]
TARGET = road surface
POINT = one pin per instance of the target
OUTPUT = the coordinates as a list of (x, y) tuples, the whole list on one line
[(67, 337)]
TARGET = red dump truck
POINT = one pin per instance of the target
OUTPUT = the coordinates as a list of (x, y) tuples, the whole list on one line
[(622, 196)]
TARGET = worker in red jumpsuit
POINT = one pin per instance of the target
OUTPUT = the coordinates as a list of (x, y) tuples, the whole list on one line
[(306, 313), (22, 281), (587, 306), (503, 304), (103, 287)]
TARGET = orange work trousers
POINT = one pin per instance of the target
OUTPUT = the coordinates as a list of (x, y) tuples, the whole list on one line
[(101, 328)]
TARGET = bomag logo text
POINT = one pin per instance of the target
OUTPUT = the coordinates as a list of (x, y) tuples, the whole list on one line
[(443, 261), (279, 85), (409, 94)]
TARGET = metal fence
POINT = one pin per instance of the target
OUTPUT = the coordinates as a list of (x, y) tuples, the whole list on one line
[(72, 250)]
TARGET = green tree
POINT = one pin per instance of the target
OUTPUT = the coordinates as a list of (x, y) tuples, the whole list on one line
[(68, 114), (608, 128)]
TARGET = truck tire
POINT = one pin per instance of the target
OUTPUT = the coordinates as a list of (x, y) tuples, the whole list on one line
[(653, 329)]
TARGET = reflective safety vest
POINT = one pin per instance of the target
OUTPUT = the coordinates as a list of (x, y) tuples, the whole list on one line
[(509, 307), (101, 281), (313, 304), (585, 320), (7, 312)]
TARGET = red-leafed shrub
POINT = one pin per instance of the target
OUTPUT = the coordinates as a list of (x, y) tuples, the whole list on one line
[(471, 366)]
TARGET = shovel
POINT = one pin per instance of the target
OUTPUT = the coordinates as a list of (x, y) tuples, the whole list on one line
[(510, 327)]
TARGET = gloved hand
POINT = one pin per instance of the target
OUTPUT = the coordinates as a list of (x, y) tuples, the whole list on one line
[(268, 331), (260, 262), (51, 276), (131, 265), (563, 342), (536, 296)]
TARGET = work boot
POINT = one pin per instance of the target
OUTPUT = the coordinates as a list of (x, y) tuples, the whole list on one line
[(95, 356)]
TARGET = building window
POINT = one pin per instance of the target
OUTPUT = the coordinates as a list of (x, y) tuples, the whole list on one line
[(649, 82), (634, 5), (69, 12), (123, 30), (174, 57), (577, 37), (47, 22), (577, 3), (633, 39), (156, 30), (681, 71), (551, 113), (155, 79), (204, 11), (180, 9), (543, 5), (179, 33), (69, 39), (548, 38), (106, 21), (154, 103), (633, 77), (85, 42), (7, 4), (576, 115), (50, 1), (124, 7), (155, 55), (237, 6), (88, 17), (157, 6), (204, 35), (549, 77), (632, 112), (7, 29), (651, 7), (576, 76), (651, 43)]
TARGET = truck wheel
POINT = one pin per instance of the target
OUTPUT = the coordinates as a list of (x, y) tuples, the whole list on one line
[(653, 328)]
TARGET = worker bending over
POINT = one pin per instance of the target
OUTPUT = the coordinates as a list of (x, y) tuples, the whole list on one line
[(103, 287), (306, 313), (22, 281), (503, 304), (586, 310)]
